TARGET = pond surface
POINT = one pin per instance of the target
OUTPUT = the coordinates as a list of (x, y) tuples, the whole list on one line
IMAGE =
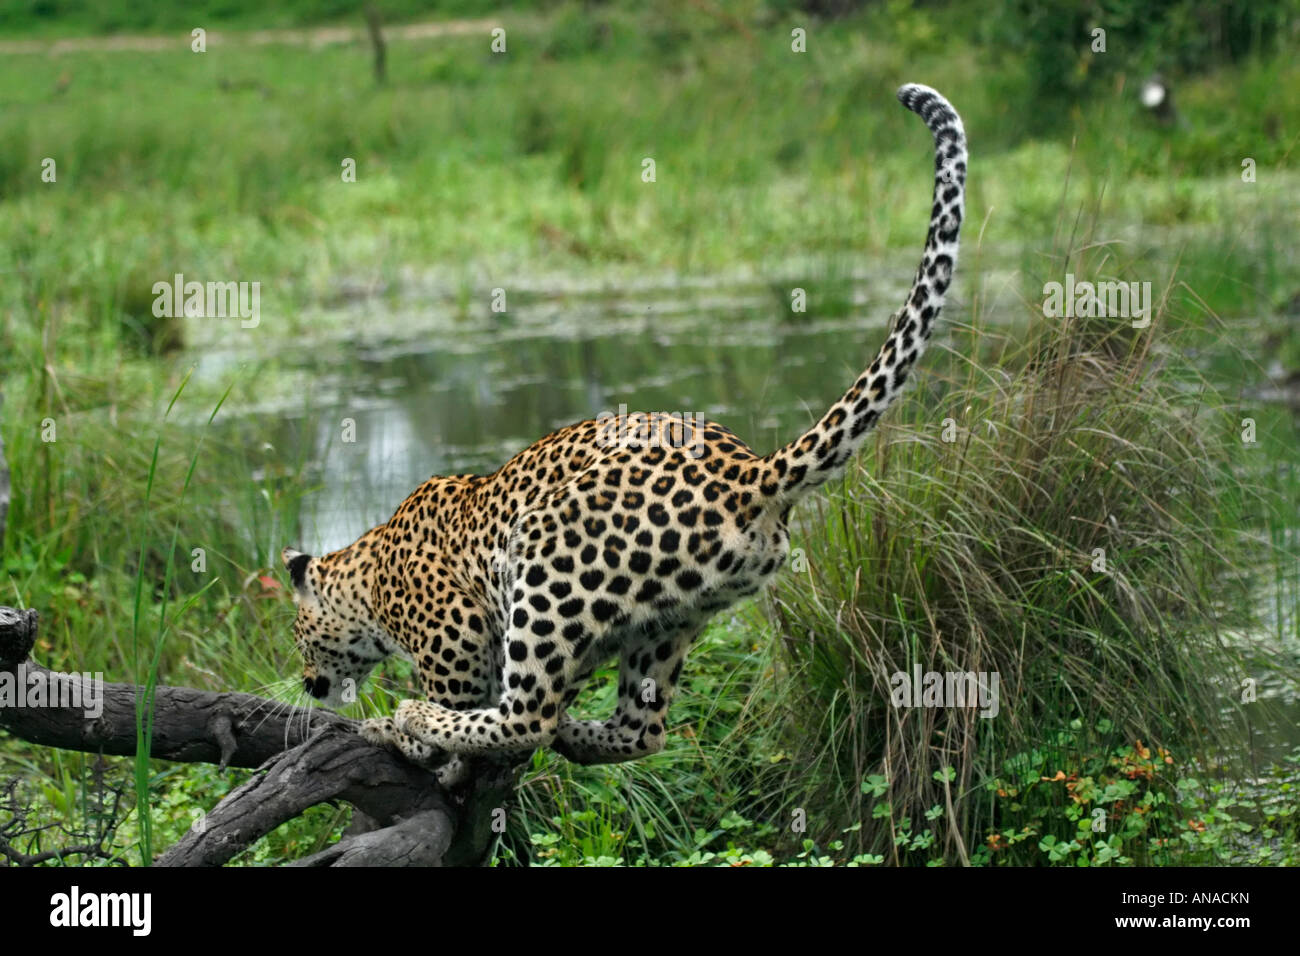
[(465, 394)]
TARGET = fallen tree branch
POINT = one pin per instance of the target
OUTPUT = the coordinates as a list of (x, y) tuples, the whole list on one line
[(306, 757)]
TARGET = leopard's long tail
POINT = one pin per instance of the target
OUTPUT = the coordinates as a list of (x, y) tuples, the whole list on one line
[(823, 450)]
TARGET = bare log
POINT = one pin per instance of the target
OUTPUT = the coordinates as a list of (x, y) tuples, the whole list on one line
[(305, 757), (331, 765), (229, 729)]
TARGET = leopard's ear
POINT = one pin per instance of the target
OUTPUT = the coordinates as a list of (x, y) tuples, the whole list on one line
[(296, 562)]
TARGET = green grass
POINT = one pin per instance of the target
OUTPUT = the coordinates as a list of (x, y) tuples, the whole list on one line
[(470, 163)]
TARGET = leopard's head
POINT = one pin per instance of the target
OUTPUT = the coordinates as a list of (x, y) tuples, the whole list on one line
[(339, 640)]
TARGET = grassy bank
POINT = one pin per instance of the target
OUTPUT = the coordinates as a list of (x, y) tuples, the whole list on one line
[(485, 167)]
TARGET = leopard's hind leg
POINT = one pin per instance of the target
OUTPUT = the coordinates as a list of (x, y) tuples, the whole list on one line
[(648, 675)]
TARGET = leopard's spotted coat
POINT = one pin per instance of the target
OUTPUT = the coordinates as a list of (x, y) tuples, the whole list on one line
[(507, 590)]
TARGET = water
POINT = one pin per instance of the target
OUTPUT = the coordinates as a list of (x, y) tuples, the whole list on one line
[(450, 396)]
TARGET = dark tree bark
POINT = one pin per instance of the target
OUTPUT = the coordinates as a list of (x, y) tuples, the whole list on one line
[(305, 757)]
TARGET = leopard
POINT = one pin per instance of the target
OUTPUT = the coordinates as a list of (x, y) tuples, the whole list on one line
[(614, 539)]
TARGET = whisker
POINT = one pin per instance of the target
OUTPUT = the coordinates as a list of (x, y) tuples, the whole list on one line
[(274, 711)]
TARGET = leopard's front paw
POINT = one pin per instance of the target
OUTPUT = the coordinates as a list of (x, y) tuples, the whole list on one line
[(380, 731), (386, 732), (409, 717)]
